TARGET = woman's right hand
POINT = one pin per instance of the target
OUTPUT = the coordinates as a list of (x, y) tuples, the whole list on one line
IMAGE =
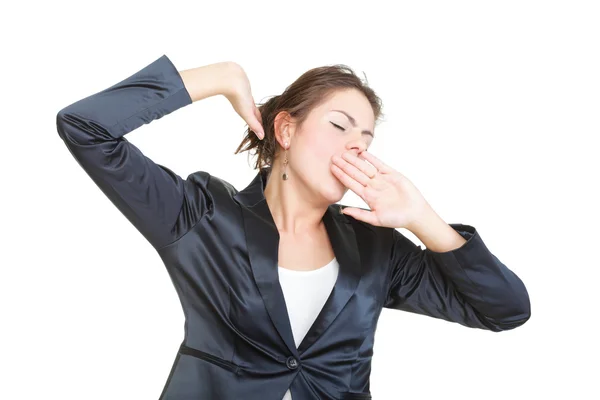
[(239, 95)]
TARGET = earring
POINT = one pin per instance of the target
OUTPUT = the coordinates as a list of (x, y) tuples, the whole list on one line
[(285, 163)]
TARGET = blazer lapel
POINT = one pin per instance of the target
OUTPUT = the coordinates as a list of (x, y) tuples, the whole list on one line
[(343, 240), (263, 247)]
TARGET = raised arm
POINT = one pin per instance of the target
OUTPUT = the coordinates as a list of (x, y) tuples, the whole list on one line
[(468, 285), (157, 201)]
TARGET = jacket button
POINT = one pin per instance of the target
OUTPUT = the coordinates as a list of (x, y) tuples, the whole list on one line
[(291, 363)]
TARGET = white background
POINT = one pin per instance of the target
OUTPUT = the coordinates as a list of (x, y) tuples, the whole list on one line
[(492, 110)]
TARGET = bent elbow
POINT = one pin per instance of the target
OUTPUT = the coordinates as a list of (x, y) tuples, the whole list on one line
[(64, 127), (516, 318), (77, 131), (517, 314)]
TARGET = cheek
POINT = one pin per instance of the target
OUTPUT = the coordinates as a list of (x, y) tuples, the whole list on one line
[(323, 152), (318, 153)]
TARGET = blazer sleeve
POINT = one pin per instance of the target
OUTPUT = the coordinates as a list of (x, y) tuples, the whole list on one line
[(158, 202), (468, 285)]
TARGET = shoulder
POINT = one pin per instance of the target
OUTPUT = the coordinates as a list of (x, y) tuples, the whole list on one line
[(219, 192), (207, 181)]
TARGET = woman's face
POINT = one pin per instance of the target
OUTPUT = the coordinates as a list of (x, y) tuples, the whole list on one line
[(326, 132)]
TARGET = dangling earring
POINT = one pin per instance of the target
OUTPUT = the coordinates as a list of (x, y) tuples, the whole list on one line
[(285, 163)]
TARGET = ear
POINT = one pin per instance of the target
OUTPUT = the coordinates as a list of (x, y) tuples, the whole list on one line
[(284, 128)]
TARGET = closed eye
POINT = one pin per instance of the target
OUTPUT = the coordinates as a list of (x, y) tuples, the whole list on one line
[(337, 126)]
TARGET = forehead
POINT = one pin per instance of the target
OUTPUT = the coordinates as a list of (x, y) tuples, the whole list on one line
[(354, 103)]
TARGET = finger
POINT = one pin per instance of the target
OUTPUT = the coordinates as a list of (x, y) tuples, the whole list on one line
[(257, 114), (258, 130), (380, 165), (254, 125), (350, 183), (354, 172), (361, 164), (259, 119), (360, 214)]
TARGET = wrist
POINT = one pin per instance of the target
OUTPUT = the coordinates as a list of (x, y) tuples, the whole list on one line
[(209, 80), (426, 219)]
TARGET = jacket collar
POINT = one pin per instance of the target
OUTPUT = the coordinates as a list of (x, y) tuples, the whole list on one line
[(263, 246)]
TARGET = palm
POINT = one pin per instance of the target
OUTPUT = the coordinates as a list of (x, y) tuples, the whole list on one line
[(242, 101)]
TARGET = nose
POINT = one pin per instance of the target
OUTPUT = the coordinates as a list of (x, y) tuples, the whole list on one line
[(358, 146)]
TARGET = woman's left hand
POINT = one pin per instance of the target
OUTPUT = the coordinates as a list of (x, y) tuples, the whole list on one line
[(392, 198)]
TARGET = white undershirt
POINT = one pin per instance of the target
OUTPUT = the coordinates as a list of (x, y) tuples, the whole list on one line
[(305, 294)]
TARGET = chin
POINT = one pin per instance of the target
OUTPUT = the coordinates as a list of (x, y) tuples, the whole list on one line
[(330, 188), (334, 192)]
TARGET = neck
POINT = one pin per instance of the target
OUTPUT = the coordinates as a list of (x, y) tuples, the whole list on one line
[(292, 204)]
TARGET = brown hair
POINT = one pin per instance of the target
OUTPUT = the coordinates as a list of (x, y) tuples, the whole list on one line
[(310, 90)]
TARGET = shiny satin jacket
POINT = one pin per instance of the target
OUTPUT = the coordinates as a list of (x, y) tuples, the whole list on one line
[(220, 248)]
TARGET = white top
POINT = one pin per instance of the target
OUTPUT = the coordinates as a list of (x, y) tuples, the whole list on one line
[(305, 294)]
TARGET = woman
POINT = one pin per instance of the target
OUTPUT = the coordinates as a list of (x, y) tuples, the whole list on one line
[(280, 286)]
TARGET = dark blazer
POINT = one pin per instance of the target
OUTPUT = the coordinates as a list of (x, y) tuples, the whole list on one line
[(220, 248)]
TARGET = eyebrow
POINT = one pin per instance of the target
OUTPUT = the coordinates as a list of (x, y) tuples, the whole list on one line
[(353, 121)]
